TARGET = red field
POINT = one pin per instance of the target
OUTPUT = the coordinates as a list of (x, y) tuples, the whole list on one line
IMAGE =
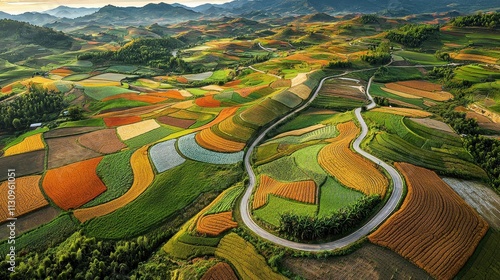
[(118, 121), (220, 271), (207, 101), (434, 228), (174, 94), (183, 123), (73, 185)]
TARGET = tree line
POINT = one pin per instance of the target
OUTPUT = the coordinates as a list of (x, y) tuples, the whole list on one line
[(412, 35), (39, 105), (303, 227), (152, 52), (491, 20)]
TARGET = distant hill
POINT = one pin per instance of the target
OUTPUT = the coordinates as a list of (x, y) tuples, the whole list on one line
[(69, 12), (33, 18), (21, 40)]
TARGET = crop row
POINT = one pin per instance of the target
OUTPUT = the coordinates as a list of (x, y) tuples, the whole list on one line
[(211, 141), (434, 228), (215, 224), (29, 144), (437, 96), (28, 197), (303, 191), (188, 147), (352, 170), (220, 271), (226, 202)]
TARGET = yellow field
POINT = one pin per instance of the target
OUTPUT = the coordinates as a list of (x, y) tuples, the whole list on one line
[(475, 57), (299, 132), (244, 258), (143, 177), (301, 91), (434, 95), (28, 197), (399, 93), (130, 131), (29, 144), (351, 169), (184, 104), (211, 141), (414, 113)]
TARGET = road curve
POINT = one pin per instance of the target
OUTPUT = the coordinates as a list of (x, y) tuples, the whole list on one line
[(380, 217)]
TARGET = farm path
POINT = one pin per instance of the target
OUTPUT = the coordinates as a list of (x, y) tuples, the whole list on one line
[(380, 217)]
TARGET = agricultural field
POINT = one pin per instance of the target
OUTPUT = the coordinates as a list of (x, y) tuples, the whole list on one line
[(189, 148), (29, 144), (447, 247), (341, 94), (303, 191), (29, 197), (165, 156), (220, 271)]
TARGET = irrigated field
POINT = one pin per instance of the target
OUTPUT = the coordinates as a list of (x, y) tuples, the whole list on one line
[(352, 170), (242, 255), (28, 197), (73, 185), (303, 191), (220, 271), (215, 224), (211, 141), (29, 144), (143, 176), (434, 228)]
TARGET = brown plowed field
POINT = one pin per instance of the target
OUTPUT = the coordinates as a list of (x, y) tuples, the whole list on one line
[(435, 228), (143, 177), (423, 85), (102, 141), (29, 197), (182, 123), (215, 224), (220, 271), (24, 164), (351, 169), (73, 185), (368, 262), (174, 94), (70, 131), (31, 221), (66, 150), (211, 141), (303, 191)]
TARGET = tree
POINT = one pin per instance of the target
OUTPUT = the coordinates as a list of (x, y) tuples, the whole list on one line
[(16, 123), (75, 113)]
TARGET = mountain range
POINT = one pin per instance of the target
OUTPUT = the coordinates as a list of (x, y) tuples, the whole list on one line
[(165, 14)]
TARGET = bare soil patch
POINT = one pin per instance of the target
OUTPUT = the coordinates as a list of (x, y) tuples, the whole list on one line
[(66, 150), (435, 124), (24, 164), (368, 262), (182, 123), (31, 221), (102, 141), (62, 132)]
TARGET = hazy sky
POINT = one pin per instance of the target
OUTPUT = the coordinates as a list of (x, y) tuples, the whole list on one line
[(21, 6)]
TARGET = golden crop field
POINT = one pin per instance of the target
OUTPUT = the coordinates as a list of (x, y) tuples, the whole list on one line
[(301, 91), (143, 177), (303, 191), (402, 94), (220, 271), (423, 85), (351, 169), (475, 57), (243, 256), (435, 228), (407, 112), (211, 141), (29, 144), (29, 197), (216, 224), (434, 95), (299, 132), (130, 131)]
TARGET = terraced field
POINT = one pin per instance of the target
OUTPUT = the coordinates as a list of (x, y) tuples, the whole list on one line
[(434, 228), (304, 191)]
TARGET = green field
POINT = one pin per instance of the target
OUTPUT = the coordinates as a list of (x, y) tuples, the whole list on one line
[(337, 103), (483, 264), (99, 93), (283, 169), (98, 106), (227, 202), (302, 121), (44, 236), (393, 74), (275, 206), (116, 173), (170, 192), (87, 122), (475, 73), (334, 196), (151, 136), (420, 58), (375, 90)]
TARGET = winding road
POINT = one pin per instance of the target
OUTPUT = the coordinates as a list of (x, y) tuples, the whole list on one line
[(378, 219)]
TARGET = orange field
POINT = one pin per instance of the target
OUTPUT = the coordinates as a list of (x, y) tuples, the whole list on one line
[(423, 85), (436, 96), (244, 92), (303, 191), (220, 271), (118, 121), (414, 113), (143, 177), (475, 57), (63, 72), (182, 80), (174, 94), (229, 127), (226, 113), (211, 141), (29, 144), (306, 58), (136, 97), (207, 101), (351, 169), (435, 228), (75, 184), (233, 83), (216, 224), (6, 89), (29, 197)]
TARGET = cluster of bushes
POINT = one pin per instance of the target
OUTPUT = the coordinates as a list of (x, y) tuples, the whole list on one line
[(482, 20), (311, 228), (37, 106), (412, 35), (365, 19), (339, 64), (152, 52), (486, 152), (378, 54)]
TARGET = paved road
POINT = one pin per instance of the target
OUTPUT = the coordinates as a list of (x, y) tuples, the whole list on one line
[(380, 217)]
